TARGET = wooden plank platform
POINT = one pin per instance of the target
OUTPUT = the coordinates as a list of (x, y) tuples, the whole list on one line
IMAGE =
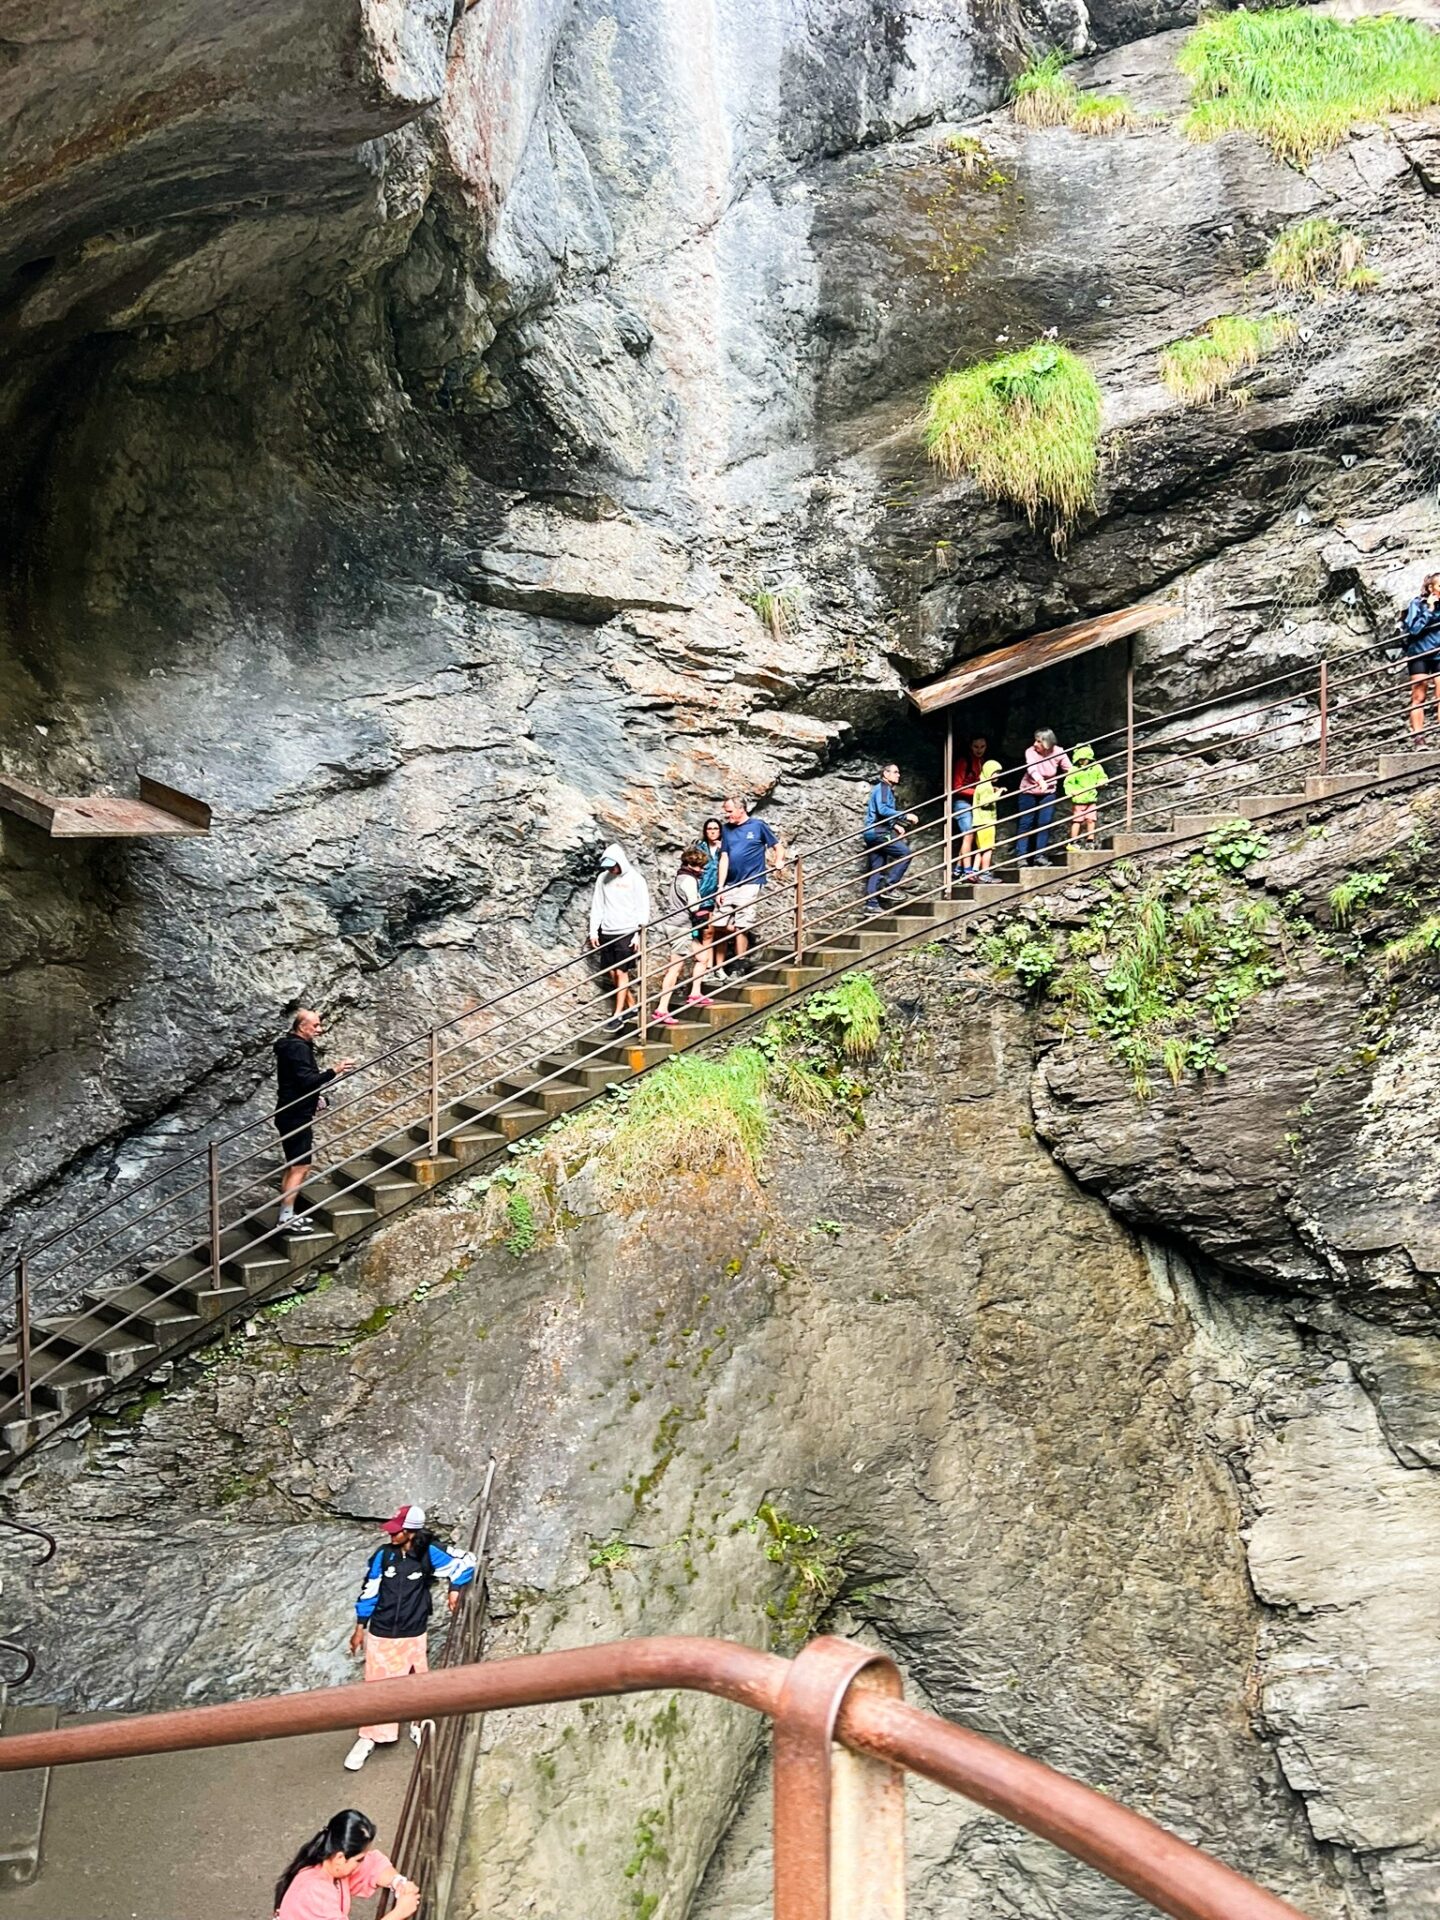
[(158, 812)]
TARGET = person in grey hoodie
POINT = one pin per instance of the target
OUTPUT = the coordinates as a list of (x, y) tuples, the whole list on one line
[(619, 907)]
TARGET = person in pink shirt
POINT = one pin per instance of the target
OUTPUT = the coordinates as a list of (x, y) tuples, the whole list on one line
[(1045, 763), (337, 1866)]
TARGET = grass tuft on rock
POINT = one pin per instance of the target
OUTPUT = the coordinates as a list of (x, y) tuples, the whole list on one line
[(1197, 369), (1317, 254), (699, 1113), (1025, 426), (1101, 113), (1301, 80), (1042, 96)]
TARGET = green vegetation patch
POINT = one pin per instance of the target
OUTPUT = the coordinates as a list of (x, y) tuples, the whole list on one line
[(1317, 254), (1042, 96), (1419, 942), (1160, 971), (1301, 80), (1356, 892), (814, 1049), (701, 1113), (1197, 369), (813, 1566), (780, 608), (1025, 426), (1101, 113)]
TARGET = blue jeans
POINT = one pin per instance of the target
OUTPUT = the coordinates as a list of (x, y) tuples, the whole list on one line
[(1037, 810), (886, 867)]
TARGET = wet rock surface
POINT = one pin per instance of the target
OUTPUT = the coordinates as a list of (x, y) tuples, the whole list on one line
[(1159, 1523)]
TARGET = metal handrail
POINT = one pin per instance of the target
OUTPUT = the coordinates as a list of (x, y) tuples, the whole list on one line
[(424, 1816), (844, 838), (778, 910), (38, 1533), (819, 1694)]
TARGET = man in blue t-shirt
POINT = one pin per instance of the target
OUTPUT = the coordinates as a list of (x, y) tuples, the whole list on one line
[(745, 849)]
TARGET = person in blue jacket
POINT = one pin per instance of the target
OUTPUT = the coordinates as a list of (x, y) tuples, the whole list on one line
[(392, 1614), (888, 854), (1422, 649)]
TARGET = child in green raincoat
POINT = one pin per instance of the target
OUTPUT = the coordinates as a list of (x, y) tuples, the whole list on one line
[(1082, 789), (985, 812)]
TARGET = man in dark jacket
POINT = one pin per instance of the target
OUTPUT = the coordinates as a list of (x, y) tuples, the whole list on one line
[(299, 1077)]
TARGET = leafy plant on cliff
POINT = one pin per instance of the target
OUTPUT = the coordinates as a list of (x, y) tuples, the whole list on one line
[(812, 1563), (1042, 96), (700, 1113), (1319, 253), (813, 1047), (1197, 369), (1354, 893), (1160, 971), (1026, 426), (1412, 946), (1301, 80)]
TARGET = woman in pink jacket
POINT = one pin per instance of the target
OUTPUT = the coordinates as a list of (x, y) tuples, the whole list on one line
[(340, 1865), (1045, 764)]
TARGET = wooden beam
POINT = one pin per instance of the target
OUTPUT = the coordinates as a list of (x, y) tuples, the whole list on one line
[(1040, 650)]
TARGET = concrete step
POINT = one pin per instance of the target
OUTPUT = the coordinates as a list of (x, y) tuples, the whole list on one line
[(22, 1800), (117, 1351), (994, 893), (1138, 842), (1420, 759), (67, 1386), (1325, 786), (555, 1095), (1081, 859), (162, 1320)]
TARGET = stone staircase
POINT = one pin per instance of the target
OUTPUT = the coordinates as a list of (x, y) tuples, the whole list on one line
[(120, 1334)]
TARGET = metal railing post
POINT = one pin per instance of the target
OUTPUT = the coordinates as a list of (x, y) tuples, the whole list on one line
[(1129, 734), (434, 1143), (213, 1182), (644, 985), (949, 804), (1324, 715), (839, 1831), (22, 1330), (799, 909)]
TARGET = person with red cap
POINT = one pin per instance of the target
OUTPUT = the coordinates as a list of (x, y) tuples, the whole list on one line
[(392, 1614)]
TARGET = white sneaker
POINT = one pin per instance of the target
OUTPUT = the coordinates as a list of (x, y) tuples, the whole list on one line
[(359, 1754), (417, 1729)]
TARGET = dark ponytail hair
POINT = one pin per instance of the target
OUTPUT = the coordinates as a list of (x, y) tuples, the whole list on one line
[(348, 1833)]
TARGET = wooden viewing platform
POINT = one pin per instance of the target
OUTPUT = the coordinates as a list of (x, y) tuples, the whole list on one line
[(159, 811)]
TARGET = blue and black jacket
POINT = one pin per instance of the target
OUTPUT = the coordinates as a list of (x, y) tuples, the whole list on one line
[(394, 1601), (1422, 628)]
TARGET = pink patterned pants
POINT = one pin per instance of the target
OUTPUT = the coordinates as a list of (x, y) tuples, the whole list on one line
[(392, 1660)]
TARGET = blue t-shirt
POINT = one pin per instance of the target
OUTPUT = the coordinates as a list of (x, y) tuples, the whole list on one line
[(745, 850)]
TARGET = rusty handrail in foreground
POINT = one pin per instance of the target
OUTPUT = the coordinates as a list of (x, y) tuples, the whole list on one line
[(1169, 1873)]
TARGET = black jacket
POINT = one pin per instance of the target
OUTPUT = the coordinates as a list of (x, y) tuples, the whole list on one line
[(299, 1077)]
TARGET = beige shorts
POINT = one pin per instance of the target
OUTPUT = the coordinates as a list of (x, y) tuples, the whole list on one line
[(736, 907)]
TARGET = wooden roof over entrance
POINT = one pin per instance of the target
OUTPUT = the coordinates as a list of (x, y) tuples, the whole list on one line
[(1040, 650)]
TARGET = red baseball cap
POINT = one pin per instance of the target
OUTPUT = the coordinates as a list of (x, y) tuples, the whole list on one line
[(405, 1521)]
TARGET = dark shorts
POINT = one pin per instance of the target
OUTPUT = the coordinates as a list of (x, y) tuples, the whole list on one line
[(617, 949), (1423, 665), (298, 1145)]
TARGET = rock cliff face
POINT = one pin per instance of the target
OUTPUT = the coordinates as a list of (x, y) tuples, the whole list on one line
[(1157, 1508), (400, 412)]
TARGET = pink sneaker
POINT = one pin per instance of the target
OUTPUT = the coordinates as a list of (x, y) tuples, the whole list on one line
[(699, 1000)]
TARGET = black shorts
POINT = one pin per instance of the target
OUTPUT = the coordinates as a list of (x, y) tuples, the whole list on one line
[(617, 949), (298, 1145), (1423, 665)]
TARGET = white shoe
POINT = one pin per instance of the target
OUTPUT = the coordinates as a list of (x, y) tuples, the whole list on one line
[(359, 1754), (417, 1729)]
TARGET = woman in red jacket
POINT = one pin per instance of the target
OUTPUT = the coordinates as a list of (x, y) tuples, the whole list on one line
[(962, 803)]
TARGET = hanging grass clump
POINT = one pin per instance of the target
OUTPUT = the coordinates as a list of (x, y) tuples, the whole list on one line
[(1025, 426), (1301, 80), (1197, 369), (1318, 253), (1043, 95)]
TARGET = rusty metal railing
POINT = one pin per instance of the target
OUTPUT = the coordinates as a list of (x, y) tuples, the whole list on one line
[(486, 1059), (844, 1741), (424, 1848)]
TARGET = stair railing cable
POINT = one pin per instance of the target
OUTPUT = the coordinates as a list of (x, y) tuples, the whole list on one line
[(423, 1830), (408, 1151), (526, 1025)]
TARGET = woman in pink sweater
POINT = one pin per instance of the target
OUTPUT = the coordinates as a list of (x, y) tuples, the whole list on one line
[(340, 1865), (1045, 763)]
